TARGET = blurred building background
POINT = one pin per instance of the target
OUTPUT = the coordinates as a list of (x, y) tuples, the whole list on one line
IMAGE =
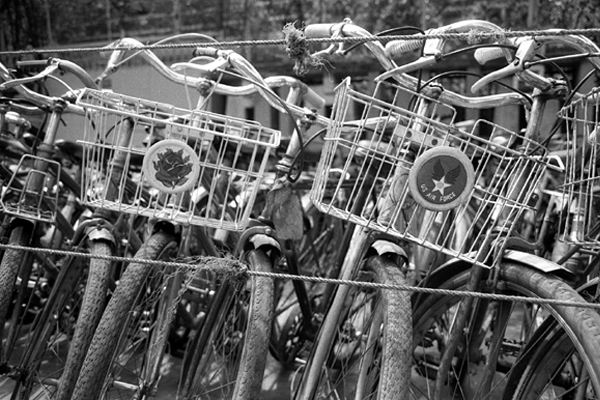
[(72, 24)]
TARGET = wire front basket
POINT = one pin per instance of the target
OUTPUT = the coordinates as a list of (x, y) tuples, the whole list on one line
[(156, 160), (31, 193), (580, 208), (396, 162)]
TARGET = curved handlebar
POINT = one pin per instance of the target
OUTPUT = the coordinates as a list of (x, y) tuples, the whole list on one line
[(434, 46), (377, 49), (223, 58), (434, 49), (39, 99), (272, 81), (527, 50), (63, 66)]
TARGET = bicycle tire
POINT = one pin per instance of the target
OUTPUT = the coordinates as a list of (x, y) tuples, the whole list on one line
[(9, 268), (433, 313), (92, 306), (378, 367), (227, 358), (551, 365), (95, 374), (317, 254), (54, 332)]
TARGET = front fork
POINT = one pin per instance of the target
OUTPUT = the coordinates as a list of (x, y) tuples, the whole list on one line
[(361, 243)]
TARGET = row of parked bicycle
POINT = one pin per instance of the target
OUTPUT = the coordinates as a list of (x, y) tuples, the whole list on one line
[(423, 256)]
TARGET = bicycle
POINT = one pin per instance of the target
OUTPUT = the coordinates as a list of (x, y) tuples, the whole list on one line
[(551, 355), (204, 336), (541, 377), (211, 203), (31, 200), (515, 270)]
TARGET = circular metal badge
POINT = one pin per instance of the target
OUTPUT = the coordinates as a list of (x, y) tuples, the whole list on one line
[(171, 166), (441, 178)]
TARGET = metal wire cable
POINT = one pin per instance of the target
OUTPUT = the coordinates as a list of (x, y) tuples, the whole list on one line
[(238, 270), (472, 37)]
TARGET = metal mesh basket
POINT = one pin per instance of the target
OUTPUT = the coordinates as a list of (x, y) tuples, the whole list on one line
[(580, 192), (396, 162), (189, 167), (31, 193)]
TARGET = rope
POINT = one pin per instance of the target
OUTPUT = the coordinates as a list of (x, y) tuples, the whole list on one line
[(474, 36), (237, 270), (417, 289), (224, 266), (297, 49)]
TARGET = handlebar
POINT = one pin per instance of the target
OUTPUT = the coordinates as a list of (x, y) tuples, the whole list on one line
[(223, 58), (277, 81), (348, 29), (115, 57), (49, 67), (434, 50), (436, 46), (527, 50), (61, 65)]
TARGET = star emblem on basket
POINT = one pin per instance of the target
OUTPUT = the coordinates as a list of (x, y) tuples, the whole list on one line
[(172, 168), (441, 178)]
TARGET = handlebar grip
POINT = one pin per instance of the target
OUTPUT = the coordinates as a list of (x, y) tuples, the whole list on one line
[(503, 72), (35, 65), (314, 98), (206, 52), (397, 47), (319, 30), (485, 54)]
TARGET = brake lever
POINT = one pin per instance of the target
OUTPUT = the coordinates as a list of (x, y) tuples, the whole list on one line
[(50, 69), (422, 62), (525, 52)]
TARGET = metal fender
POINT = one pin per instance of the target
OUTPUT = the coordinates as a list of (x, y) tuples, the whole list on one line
[(386, 247), (535, 262), (456, 266), (264, 240), (101, 234)]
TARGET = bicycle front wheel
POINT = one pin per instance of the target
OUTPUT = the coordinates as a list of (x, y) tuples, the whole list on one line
[(9, 269), (227, 357), (369, 357), (553, 365), (62, 330), (92, 307), (125, 344), (497, 333)]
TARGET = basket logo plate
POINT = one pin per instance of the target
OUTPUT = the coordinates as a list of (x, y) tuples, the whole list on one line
[(441, 179), (171, 166)]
